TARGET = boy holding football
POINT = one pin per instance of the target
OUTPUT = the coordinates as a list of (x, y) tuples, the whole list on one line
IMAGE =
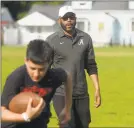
[(36, 72)]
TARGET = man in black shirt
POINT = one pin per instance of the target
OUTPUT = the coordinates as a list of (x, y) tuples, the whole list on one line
[(74, 52), (36, 76)]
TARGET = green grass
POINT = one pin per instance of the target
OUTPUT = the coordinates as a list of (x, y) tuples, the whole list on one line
[(116, 74)]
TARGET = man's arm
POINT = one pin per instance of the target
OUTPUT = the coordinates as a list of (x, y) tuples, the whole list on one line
[(65, 115), (68, 92), (91, 67), (95, 80)]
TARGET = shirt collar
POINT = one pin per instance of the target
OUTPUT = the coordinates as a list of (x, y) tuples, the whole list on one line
[(78, 33)]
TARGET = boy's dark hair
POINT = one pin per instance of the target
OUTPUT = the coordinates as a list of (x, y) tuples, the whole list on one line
[(39, 52)]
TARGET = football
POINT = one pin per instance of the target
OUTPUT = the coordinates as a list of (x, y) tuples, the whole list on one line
[(19, 103)]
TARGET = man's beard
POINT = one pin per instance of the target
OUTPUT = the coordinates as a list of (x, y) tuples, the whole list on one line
[(69, 31)]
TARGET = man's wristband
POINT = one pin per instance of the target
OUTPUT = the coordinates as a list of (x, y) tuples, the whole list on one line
[(25, 117)]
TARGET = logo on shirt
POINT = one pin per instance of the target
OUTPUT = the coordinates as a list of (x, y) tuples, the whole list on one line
[(81, 42), (40, 91), (61, 42)]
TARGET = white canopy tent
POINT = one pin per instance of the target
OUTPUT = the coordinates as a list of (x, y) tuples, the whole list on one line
[(36, 19)]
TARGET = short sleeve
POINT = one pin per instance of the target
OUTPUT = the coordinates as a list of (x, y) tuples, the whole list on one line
[(11, 88)]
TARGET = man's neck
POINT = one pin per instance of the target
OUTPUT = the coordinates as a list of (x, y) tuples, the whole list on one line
[(70, 34)]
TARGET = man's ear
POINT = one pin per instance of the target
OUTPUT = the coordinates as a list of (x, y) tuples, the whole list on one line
[(59, 20), (25, 60)]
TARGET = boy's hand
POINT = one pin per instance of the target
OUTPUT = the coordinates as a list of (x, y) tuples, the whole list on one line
[(35, 112)]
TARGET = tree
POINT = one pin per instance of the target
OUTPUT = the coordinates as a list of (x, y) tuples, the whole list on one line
[(19, 9)]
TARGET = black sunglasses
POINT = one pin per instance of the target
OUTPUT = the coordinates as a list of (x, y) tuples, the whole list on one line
[(69, 15)]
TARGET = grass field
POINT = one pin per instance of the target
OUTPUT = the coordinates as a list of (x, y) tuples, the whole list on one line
[(116, 74)]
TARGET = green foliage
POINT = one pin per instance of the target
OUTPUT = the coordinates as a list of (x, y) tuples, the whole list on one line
[(19, 9), (116, 69), (37, 2), (23, 4), (21, 15), (54, 2), (47, 2)]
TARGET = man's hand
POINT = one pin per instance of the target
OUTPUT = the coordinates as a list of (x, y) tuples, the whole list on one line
[(64, 116), (97, 98), (35, 112)]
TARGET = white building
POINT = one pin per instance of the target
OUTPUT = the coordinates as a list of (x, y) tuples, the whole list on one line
[(35, 25), (106, 22), (109, 22)]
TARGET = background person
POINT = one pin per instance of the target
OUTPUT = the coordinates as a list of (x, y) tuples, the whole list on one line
[(73, 51)]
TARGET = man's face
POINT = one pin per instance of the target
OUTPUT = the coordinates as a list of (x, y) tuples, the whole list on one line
[(68, 22), (36, 71)]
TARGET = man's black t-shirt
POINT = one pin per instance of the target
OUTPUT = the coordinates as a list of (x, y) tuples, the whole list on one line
[(19, 81)]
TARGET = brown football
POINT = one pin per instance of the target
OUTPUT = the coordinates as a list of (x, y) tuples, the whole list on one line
[(19, 103)]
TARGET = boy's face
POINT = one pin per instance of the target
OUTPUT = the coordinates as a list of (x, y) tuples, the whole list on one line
[(36, 71)]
